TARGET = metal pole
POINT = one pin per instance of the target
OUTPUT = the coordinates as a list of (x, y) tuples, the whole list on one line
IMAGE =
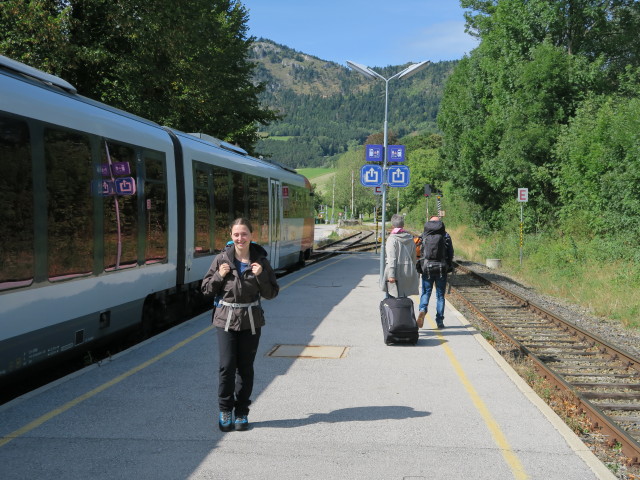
[(384, 180), (333, 201), (352, 200), (521, 230)]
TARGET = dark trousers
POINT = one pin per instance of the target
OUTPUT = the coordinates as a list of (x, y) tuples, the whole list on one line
[(237, 353)]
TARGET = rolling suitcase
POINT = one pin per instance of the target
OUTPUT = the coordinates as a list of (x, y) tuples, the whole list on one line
[(398, 320)]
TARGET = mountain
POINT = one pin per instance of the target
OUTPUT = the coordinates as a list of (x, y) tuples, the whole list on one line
[(327, 108)]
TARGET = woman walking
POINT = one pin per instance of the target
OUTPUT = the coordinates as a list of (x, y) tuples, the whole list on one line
[(400, 266)]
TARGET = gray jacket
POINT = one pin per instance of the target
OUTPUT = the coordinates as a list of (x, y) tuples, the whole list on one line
[(401, 259)]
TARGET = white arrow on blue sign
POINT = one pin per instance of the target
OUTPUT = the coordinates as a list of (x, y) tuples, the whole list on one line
[(371, 175), (398, 176)]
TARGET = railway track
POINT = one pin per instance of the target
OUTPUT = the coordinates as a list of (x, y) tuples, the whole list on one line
[(358, 241), (604, 379)]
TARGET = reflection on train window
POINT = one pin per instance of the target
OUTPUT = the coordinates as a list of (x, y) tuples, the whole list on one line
[(220, 196), (203, 221), (238, 206), (155, 205), (69, 204), (16, 205), (263, 212), (258, 189), (222, 206), (298, 204), (120, 214)]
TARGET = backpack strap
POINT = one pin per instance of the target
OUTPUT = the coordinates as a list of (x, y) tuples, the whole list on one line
[(240, 305)]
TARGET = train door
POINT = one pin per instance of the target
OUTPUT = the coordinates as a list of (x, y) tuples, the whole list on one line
[(275, 214)]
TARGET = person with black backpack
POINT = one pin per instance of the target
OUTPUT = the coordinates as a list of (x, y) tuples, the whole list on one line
[(436, 260)]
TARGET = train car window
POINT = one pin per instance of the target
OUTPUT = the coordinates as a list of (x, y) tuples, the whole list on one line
[(287, 192), (263, 209), (253, 195), (120, 220), (288, 201), (258, 207), (155, 204), (223, 212), (239, 200), (17, 262), (298, 204), (69, 173), (204, 220)]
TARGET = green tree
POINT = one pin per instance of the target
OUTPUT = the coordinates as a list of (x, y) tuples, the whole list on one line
[(33, 31), (600, 172), (185, 65), (506, 103)]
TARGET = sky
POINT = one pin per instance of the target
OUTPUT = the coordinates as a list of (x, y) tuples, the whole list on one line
[(375, 33)]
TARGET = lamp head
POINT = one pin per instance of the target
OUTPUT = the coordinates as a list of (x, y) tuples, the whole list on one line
[(364, 70), (413, 69)]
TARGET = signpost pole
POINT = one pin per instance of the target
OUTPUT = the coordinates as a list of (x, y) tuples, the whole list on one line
[(523, 196), (384, 180), (367, 72), (521, 230)]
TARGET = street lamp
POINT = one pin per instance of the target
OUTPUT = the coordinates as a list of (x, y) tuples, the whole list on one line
[(369, 73)]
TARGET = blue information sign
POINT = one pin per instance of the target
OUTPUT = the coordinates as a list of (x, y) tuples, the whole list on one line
[(371, 175), (396, 153), (374, 153), (398, 175)]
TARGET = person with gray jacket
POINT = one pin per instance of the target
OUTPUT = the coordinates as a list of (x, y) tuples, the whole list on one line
[(400, 272), (238, 278)]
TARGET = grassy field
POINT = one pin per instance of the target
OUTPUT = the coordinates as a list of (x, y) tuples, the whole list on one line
[(321, 177), (312, 173)]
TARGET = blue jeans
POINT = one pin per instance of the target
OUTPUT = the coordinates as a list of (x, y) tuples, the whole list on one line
[(427, 286)]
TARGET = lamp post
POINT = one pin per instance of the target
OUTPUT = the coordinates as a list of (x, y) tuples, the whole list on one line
[(371, 74)]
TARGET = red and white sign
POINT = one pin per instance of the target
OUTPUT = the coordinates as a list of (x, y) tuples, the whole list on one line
[(523, 194), (377, 190), (285, 192)]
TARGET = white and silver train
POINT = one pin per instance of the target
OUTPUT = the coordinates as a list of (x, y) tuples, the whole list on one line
[(108, 221)]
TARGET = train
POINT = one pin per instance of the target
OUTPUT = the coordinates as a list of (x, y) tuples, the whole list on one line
[(109, 221)]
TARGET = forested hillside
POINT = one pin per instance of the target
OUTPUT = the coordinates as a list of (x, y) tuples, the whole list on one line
[(326, 107)]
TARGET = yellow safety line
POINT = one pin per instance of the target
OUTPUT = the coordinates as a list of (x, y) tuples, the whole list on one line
[(498, 436), (54, 413)]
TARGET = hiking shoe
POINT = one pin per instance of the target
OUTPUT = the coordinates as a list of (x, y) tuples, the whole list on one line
[(242, 422), (420, 319), (224, 421)]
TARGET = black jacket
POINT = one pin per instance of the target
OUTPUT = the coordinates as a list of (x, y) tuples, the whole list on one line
[(236, 288)]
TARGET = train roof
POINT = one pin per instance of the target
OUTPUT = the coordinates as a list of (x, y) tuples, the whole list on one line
[(241, 155), (56, 84), (31, 72)]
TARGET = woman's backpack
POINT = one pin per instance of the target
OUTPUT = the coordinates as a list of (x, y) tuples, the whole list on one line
[(433, 261)]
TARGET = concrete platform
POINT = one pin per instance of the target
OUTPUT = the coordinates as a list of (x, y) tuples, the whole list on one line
[(446, 408)]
